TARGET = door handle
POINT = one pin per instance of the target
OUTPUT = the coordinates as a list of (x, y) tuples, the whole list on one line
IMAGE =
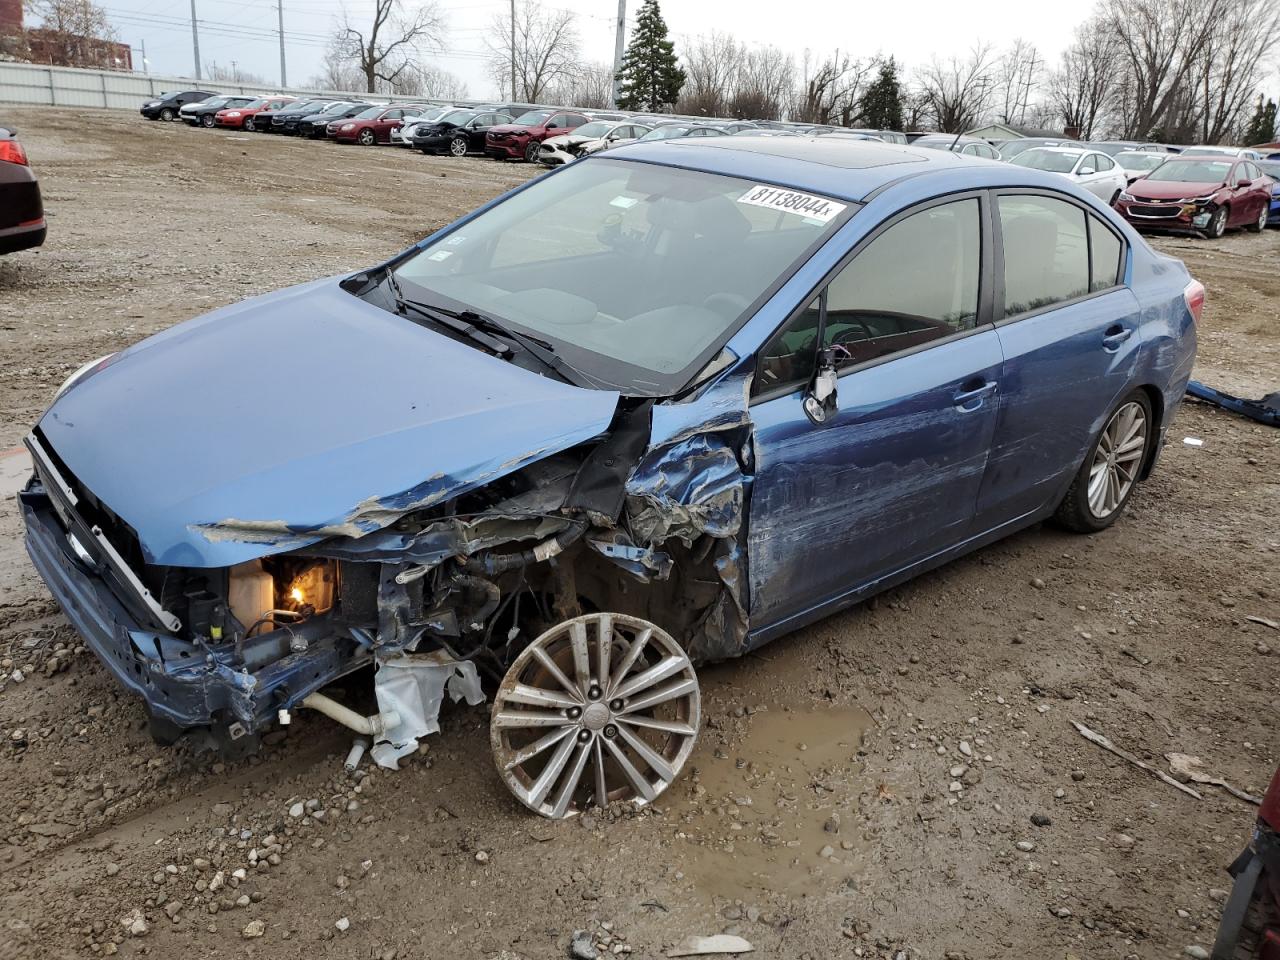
[(970, 400), (1114, 337)]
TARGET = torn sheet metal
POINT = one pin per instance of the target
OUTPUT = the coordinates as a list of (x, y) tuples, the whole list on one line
[(448, 537), (413, 686)]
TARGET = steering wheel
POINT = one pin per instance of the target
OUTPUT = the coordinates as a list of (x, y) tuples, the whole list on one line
[(845, 336)]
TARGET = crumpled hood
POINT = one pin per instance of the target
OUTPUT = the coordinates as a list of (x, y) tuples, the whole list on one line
[(1160, 190), (303, 414)]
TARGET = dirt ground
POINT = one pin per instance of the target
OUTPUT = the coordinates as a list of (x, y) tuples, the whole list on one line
[(863, 788)]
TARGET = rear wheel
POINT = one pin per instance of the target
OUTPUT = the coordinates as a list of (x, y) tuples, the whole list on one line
[(1217, 223), (1261, 223), (249, 124), (167, 114), (458, 146), (599, 709), (531, 151), (366, 137), (1107, 478), (207, 120)]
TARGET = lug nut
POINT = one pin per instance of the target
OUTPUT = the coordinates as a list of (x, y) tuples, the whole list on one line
[(574, 713), (595, 693), (584, 735), (615, 705), (611, 731)]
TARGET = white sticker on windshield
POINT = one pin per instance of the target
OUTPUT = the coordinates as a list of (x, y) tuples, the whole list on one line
[(625, 203), (804, 205), (440, 255)]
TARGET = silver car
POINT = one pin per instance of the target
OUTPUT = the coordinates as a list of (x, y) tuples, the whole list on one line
[(1094, 171), (589, 138)]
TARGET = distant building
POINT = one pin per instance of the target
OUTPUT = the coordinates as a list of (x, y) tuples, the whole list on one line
[(995, 132), (58, 48)]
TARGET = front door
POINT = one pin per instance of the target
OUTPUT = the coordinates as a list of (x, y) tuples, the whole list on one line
[(893, 476)]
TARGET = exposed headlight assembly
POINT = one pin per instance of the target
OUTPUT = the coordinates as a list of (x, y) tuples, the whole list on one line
[(68, 383)]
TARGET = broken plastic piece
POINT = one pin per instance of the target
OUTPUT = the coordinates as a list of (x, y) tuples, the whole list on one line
[(412, 687), (355, 754)]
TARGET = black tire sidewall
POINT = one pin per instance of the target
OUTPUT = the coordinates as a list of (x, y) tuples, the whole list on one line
[(167, 114), (1074, 512)]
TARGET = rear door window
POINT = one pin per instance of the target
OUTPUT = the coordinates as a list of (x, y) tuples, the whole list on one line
[(1105, 251), (1046, 252)]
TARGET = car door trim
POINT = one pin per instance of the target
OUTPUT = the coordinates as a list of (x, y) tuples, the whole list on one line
[(986, 302), (999, 318)]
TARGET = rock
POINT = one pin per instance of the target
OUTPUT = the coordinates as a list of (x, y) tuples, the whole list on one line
[(1077, 775), (1124, 841), (731, 913), (1037, 583), (222, 810), (954, 786), (958, 771), (695, 946), (1218, 895), (1026, 846), (482, 856), (138, 925), (172, 908), (832, 824), (1040, 820), (254, 929), (581, 947), (113, 869), (827, 851), (1196, 952), (297, 810), (1062, 913), (343, 924), (965, 748)]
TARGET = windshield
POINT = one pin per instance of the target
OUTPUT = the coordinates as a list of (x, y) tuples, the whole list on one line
[(215, 102), (1011, 148), (1139, 161), (592, 130), (1191, 171), (336, 107), (458, 117), (634, 273), (1050, 160), (1207, 152), (534, 118), (368, 113), (255, 104), (666, 133)]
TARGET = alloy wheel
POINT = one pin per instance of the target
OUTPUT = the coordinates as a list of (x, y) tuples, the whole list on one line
[(1117, 459), (1262, 217), (601, 708), (166, 114), (249, 124), (531, 152), (458, 146), (207, 120), (366, 137), (1218, 223)]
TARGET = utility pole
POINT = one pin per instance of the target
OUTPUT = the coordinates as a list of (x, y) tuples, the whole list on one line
[(146, 67), (280, 15), (513, 50), (618, 44), (195, 38)]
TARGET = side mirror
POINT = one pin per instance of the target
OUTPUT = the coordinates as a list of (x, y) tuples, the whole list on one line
[(820, 399), (1085, 171), (1245, 183)]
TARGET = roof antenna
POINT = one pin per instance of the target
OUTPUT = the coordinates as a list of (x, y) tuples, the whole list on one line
[(959, 134)]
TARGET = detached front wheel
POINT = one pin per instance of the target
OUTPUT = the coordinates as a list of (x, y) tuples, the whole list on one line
[(601, 708)]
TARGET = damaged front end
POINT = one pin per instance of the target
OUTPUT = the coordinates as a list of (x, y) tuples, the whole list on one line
[(644, 523)]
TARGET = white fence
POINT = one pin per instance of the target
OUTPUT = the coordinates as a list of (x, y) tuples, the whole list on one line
[(35, 85)]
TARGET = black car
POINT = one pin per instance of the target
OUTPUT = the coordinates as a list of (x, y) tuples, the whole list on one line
[(202, 113), (21, 212), (316, 124), (265, 121), (286, 119), (167, 105), (458, 132)]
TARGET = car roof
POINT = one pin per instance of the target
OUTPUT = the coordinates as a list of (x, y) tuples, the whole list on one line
[(835, 166)]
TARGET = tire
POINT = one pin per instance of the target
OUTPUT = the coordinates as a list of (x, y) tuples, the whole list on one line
[(167, 114), (207, 120), (531, 152), (366, 137), (458, 146), (249, 124), (1261, 223), (1114, 197), (1088, 508), (1217, 223), (615, 696)]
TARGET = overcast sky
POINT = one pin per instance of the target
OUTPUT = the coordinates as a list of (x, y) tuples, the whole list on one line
[(244, 30)]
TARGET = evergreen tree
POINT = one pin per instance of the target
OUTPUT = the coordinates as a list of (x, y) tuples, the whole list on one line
[(651, 76), (880, 107), (1262, 128)]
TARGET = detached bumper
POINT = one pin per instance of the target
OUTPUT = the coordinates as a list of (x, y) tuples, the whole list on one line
[(188, 684)]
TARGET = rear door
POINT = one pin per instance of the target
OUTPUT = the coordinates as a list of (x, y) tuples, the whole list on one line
[(892, 477), (1068, 328)]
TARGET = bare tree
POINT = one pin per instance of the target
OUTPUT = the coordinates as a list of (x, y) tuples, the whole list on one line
[(71, 33), (957, 91), (1016, 80), (433, 83), (1084, 87), (338, 70), (541, 50), (218, 72), (764, 85), (388, 47), (829, 93), (1230, 69), (590, 85), (712, 65)]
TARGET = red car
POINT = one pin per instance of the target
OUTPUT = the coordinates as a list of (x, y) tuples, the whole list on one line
[(1199, 194), (242, 117), (523, 138), (1250, 926), (22, 222), (373, 125)]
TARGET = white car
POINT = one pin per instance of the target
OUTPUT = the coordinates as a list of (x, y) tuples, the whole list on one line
[(1214, 151), (589, 138), (402, 136), (1094, 171)]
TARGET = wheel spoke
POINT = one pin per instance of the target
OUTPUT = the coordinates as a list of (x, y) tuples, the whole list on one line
[(518, 719), (538, 697), (547, 779), (670, 692), (629, 659), (652, 723), (650, 756), (553, 668), (604, 649), (581, 656), (1132, 447), (638, 781), (1097, 488), (571, 780), (602, 788), (535, 748), (647, 678)]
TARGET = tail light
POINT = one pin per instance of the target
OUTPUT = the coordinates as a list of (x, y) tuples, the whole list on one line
[(1270, 809), (1193, 293), (11, 152)]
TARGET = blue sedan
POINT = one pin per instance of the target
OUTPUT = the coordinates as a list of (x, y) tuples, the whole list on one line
[(1272, 169), (648, 411)]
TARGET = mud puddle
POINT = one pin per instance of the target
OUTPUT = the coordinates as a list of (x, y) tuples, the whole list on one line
[(758, 814)]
